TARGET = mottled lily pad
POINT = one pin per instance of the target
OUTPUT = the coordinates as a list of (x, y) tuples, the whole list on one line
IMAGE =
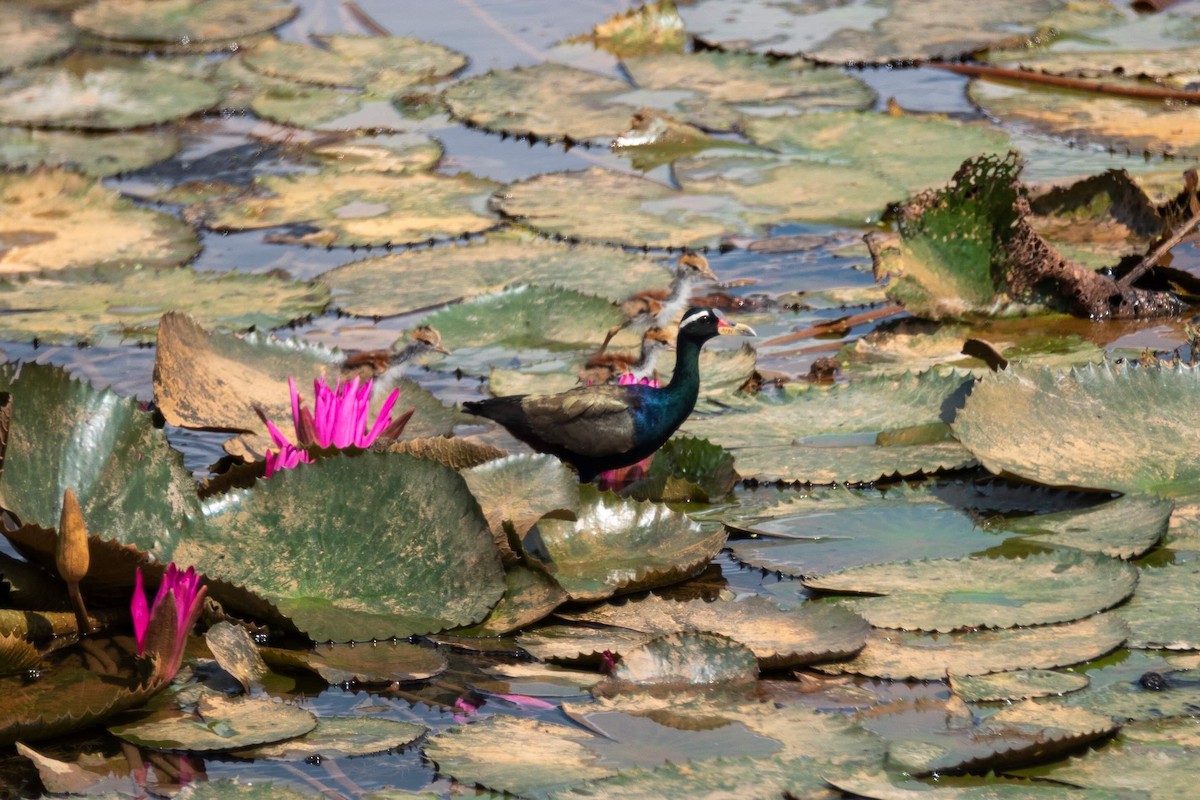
[(855, 432), (435, 565), (218, 724), (417, 279), (814, 632), (17, 656), (365, 663), (881, 787), (127, 304), (619, 545), (1104, 426), (98, 155), (383, 64), (951, 594), (303, 105), (653, 27), (237, 654), (359, 208), (687, 658), (1159, 757), (106, 94), (130, 483), (530, 595), (569, 644), (923, 656), (394, 153), (30, 38), (515, 492), (341, 737), (182, 20), (1123, 528), (1165, 611), (843, 32), (57, 220), (1017, 685)]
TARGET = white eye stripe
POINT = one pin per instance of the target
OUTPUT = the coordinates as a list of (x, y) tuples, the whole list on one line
[(695, 317)]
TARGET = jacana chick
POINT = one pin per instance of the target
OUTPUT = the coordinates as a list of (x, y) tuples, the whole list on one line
[(662, 307), (608, 367), (424, 340)]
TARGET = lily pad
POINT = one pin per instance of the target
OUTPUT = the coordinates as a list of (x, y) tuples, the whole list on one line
[(951, 594), (418, 279), (57, 220), (341, 737), (302, 105), (435, 564), (653, 27), (111, 93), (1017, 685), (848, 33), (813, 632), (1123, 528), (80, 307), (182, 20), (569, 644), (31, 38), (1163, 612), (854, 432), (680, 659), (384, 64), (219, 724), (686, 469), (369, 663), (1159, 757), (17, 656), (1103, 426), (237, 654), (129, 481), (99, 155), (619, 545), (391, 153), (922, 656), (515, 492), (530, 596), (359, 208), (881, 787)]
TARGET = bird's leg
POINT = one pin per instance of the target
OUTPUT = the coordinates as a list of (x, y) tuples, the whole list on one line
[(613, 331)]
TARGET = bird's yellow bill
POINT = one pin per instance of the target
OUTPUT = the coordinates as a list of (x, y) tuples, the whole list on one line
[(734, 329)]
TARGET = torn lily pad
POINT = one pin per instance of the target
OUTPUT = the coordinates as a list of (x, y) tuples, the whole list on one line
[(90, 307), (359, 208), (98, 155), (173, 21), (850, 33), (922, 656), (813, 632), (855, 432), (452, 578), (382, 64), (108, 93), (1016, 685), (60, 220), (1103, 426), (416, 279), (30, 37), (341, 737), (951, 594), (218, 724)]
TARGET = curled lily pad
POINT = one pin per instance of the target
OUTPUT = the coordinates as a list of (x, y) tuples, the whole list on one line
[(517, 491), (417, 279), (237, 654), (108, 94), (839, 434), (394, 153), (853, 33), (129, 481), (383, 64), (360, 208), (653, 27), (686, 469), (814, 632), (218, 724), (569, 644), (366, 663), (79, 307), (688, 658), (1016, 685), (1158, 757), (896, 656), (436, 566), (1105, 426), (619, 545), (341, 737), (30, 37), (950, 594), (17, 656), (57, 220), (1163, 611), (98, 155), (182, 20), (881, 787), (1123, 528)]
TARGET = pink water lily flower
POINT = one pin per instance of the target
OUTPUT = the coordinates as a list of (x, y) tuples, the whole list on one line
[(153, 627), (622, 476), (338, 419)]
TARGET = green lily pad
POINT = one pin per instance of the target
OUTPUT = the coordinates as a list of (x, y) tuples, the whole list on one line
[(1163, 611), (857, 33), (547, 100), (1109, 426), (99, 155), (130, 483), (17, 656), (882, 787), (1123, 528), (570, 644), (302, 105), (927, 739), (854, 432), (359, 208), (813, 632), (1127, 124), (515, 492), (111, 93), (182, 20), (922, 656), (686, 469), (56, 220), (341, 737), (952, 594), (1142, 686), (718, 91), (31, 38), (384, 64), (530, 596), (436, 565), (418, 279), (376, 662), (128, 304), (653, 27), (687, 658), (1017, 685), (619, 545), (218, 724)]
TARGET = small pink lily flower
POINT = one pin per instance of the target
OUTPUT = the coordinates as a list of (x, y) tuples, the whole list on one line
[(622, 476), (165, 632), (338, 419)]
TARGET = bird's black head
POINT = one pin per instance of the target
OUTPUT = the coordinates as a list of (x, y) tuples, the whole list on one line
[(702, 324)]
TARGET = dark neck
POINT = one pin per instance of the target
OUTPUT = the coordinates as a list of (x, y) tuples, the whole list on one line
[(685, 380)]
